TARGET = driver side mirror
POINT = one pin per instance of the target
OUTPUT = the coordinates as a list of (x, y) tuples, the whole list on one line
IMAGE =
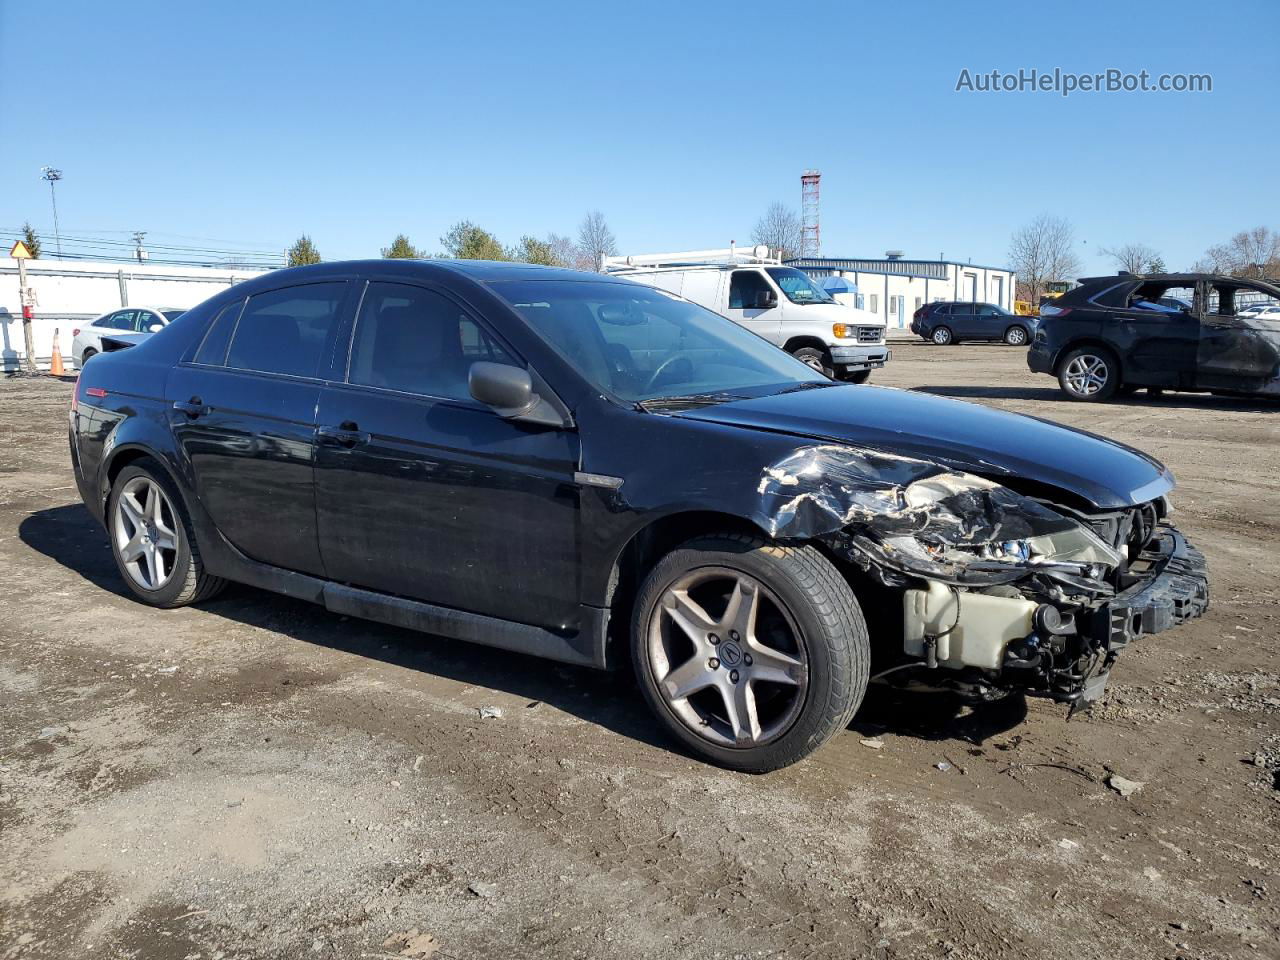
[(155, 328), (766, 299), (508, 392)]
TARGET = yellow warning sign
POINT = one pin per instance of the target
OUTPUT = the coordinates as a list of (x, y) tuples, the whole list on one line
[(20, 251)]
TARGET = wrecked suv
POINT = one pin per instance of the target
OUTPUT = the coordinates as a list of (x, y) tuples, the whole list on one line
[(1180, 331), (600, 472)]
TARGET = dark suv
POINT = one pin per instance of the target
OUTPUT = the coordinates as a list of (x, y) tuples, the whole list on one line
[(953, 322), (1185, 331), (587, 469)]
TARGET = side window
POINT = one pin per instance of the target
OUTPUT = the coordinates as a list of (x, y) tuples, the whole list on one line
[(745, 289), (418, 341), (146, 319), (987, 310), (214, 348), (284, 331), (123, 320)]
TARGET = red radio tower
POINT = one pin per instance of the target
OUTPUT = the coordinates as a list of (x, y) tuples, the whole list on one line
[(810, 234)]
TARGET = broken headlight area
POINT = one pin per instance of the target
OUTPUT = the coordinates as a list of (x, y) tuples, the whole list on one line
[(1000, 591)]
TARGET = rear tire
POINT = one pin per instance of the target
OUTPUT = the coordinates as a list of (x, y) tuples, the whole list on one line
[(942, 336), (1089, 374), (815, 358), (761, 682), (1016, 336), (84, 357), (152, 539)]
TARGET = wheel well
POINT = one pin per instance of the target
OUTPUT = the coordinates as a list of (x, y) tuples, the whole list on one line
[(645, 548), (1095, 344), (795, 343)]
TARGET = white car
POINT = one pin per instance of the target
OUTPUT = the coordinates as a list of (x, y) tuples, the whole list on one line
[(87, 340), (1267, 309), (775, 301)]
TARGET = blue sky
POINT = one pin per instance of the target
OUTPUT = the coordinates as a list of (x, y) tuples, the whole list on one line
[(255, 122)]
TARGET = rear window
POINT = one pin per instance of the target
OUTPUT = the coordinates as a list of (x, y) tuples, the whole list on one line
[(214, 348), (285, 331)]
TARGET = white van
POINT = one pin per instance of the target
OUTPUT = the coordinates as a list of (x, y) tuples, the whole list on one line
[(780, 303)]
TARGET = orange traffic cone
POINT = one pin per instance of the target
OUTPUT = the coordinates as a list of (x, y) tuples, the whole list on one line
[(55, 361)]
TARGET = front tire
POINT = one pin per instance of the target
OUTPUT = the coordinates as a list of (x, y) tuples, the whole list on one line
[(152, 539), (813, 357), (1016, 336), (751, 654), (1089, 374), (942, 336)]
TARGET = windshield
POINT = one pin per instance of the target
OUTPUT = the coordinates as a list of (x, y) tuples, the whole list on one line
[(642, 344), (797, 286), (172, 315)]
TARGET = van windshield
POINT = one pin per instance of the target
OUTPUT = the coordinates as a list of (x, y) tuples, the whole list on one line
[(642, 345), (797, 286)]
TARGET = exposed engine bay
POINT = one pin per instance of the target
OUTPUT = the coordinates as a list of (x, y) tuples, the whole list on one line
[(1001, 591)]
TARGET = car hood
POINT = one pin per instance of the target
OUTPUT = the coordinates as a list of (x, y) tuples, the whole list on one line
[(958, 435)]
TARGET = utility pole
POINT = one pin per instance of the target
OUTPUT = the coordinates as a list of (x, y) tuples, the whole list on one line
[(22, 254), (138, 252), (53, 176)]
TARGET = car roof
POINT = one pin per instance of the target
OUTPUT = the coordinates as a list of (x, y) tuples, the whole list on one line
[(481, 271)]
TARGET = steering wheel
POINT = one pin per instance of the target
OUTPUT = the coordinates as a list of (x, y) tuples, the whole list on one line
[(662, 368)]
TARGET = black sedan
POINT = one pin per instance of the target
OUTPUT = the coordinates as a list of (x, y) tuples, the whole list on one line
[(603, 473)]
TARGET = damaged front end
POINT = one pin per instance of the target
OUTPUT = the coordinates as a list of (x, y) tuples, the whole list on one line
[(1000, 591)]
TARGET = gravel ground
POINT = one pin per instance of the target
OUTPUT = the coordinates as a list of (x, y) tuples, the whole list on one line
[(260, 778)]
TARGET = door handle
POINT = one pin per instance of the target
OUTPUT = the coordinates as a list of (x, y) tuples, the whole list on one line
[(193, 408), (346, 434)]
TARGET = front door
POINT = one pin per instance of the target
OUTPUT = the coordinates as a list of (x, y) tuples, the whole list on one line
[(424, 493), (747, 292), (1157, 347), (990, 322), (1235, 352), (243, 413)]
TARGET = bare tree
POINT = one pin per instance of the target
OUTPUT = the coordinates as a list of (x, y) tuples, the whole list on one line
[(1251, 254), (1133, 257), (1041, 251), (563, 250), (779, 230), (595, 241)]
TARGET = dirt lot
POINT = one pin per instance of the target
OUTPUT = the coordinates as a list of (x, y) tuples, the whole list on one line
[(260, 778)]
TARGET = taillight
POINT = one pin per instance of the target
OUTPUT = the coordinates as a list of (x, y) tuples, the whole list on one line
[(1048, 311), (75, 332)]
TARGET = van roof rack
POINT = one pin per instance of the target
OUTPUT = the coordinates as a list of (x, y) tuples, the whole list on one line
[(731, 256)]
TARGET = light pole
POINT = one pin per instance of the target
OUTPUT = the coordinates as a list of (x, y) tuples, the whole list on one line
[(53, 176)]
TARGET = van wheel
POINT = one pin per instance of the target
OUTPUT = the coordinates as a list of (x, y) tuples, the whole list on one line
[(152, 539), (815, 358), (942, 336), (1016, 336), (1089, 373), (751, 654)]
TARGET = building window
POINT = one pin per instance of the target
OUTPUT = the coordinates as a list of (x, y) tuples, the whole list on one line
[(859, 301), (875, 303), (918, 302)]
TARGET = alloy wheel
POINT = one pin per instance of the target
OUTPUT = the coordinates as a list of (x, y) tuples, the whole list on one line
[(942, 336), (145, 533), (1015, 337), (727, 657), (1086, 374)]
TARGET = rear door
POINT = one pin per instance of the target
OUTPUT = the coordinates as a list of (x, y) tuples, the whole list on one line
[(746, 289), (963, 320), (423, 492), (243, 412), (1237, 352)]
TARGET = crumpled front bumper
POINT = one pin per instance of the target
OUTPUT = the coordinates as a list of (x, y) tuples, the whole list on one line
[(1172, 588)]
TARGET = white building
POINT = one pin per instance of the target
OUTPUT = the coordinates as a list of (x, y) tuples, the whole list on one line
[(894, 287), (68, 292)]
